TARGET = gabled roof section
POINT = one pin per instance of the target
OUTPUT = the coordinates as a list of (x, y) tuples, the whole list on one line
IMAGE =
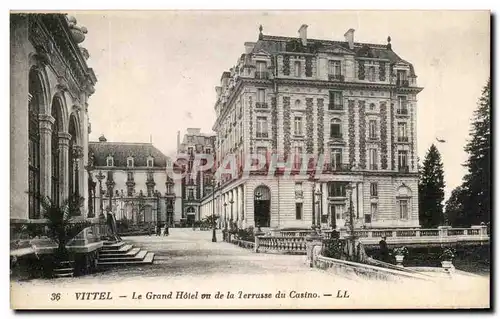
[(121, 151)]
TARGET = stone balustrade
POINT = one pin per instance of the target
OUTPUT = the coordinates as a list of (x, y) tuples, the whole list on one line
[(281, 244)]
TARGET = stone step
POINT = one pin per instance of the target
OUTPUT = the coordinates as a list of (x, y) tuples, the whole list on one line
[(62, 270), (124, 253), (147, 260), (64, 275), (123, 249), (110, 245), (139, 256)]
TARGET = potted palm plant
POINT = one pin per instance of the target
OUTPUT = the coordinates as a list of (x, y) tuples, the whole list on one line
[(400, 253), (447, 257)]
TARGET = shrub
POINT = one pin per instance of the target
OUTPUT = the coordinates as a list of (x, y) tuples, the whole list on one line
[(448, 254), (401, 251)]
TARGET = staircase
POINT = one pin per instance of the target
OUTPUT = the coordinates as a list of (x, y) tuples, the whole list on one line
[(122, 253), (64, 269)]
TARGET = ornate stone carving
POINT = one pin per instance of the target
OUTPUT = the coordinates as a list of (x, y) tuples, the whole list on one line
[(250, 109), (274, 117), (361, 70), (381, 71), (286, 125), (77, 152), (351, 131), (321, 128), (393, 131), (309, 126), (362, 135), (309, 62), (286, 65), (383, 134)]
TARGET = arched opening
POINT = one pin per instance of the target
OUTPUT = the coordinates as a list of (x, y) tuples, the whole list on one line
[(35, 104), (56, 128), (191, 215), (262, 206), (73, 159)]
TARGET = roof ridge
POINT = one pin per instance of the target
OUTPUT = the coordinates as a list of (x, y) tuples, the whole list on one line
[(279, 37), (133, 143)]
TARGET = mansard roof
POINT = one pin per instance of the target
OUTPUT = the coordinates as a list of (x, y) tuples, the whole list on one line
[(280, 44), (122, 150)]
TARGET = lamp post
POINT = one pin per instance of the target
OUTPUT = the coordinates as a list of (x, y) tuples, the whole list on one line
[(319, 202), (350, 222), (214, 184), (258, 196), (231, 202), (100, 177)]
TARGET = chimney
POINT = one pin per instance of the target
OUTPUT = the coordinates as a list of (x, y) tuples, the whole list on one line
[(303, 34), (102, 139), (178, 141), (349, 38), (249, 47)]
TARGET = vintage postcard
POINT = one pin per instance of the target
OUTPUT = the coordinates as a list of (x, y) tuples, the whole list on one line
[(250, 160)]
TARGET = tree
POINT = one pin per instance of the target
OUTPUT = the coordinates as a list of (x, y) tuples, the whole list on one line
[(454, 211), (477, 181), (431, 190)]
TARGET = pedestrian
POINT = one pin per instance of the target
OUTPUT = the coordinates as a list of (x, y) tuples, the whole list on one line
[(384, 251), (158, 229), (165, 232)]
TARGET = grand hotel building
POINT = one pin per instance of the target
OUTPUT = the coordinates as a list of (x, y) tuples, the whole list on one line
[(355, 103)]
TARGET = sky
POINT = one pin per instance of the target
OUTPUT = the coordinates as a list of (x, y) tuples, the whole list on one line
[(157, 70)]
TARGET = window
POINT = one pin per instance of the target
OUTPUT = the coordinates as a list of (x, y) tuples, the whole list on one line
[(402, 137), (109, 161), (261, 70), (337, 189), (373, 158), (335, 100), (338, 211), (130, 176), (298, 125), (168, 189), (130, 162), (150, 162), (334, 69), (335, 128), (297, 68), (373, 189), (336, 158), (130, 191), (403, 160), (298, 210), (190, 193), (150, 176), (207, 151), (372, 129), (371, 73), (402, 78), (33, 150), (190, 150), (402, 106), (150, 190), (262, 126), (297, 104), (298, 190), (261, 95), (372, 106), (403, 208)]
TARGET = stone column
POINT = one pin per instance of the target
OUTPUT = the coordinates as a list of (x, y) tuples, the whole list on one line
[(80, 172), (46, 121), (63, 164)]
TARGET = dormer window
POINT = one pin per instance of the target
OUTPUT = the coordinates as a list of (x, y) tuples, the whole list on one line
[(130, 162), (110, 161), (150, 162)]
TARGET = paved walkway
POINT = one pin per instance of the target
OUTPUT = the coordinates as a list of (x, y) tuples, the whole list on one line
[(187, 260)]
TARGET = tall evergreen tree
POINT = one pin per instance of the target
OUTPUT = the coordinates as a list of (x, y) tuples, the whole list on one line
[(431, 190), (477, 181), (454, 210)]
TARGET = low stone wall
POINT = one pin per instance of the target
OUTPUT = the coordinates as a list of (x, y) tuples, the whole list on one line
[(348, 268), (243, 243)]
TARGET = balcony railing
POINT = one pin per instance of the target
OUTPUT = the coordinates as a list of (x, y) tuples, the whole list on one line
[(403, 139), (336, 77), (335, 107), (338, 167), (404, 169), (261, 105), (402, 83), (336, 136), (262, 134), (263, 75), (402, 111)]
